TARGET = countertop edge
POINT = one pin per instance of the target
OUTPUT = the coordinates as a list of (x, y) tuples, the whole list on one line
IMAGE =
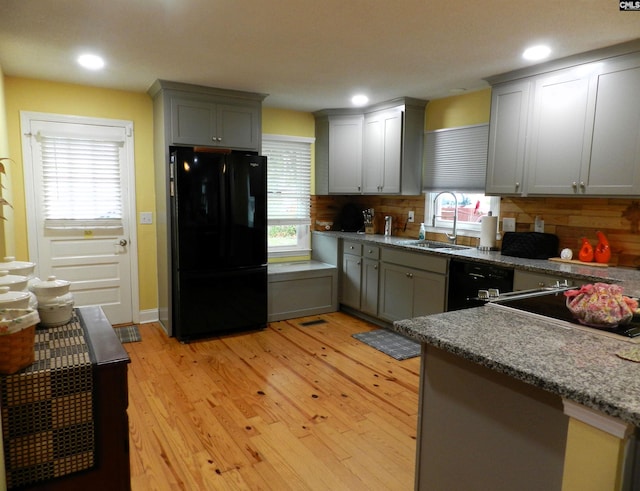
[(628, 278), (578, 390)]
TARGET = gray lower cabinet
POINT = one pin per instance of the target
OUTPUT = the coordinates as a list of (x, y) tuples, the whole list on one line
[(370, 281), (411, 284), (359, 277), (351, 280)]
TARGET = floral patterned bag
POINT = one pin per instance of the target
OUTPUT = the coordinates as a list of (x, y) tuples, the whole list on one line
[(601, 305)]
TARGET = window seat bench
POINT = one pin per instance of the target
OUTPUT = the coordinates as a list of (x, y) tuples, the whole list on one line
[(301, 288)]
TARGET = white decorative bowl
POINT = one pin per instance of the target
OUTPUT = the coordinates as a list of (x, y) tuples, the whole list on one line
[(19, 268), (14, 282), (51, 287), (13, 300)]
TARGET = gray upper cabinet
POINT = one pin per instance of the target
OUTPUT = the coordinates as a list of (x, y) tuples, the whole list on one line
[(507, 136), (615, 146), (206, 116), (571, 130), (195, 122), (560, 133), (376, 150), (382, 153), (345, 154)]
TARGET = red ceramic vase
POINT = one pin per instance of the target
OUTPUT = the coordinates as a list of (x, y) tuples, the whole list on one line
[(602, 251)]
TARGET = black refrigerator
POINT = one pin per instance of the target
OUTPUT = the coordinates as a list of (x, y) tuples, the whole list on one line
[(218, 203)]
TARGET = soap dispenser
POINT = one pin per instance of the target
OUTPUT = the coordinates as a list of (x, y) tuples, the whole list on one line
[(421, 232)]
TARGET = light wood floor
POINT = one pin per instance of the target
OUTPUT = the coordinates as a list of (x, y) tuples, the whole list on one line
[(287, 408)]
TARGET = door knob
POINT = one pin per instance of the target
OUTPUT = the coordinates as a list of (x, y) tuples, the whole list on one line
[(123, 242)]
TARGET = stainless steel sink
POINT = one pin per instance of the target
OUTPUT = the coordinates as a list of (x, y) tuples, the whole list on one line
[(430, 244)]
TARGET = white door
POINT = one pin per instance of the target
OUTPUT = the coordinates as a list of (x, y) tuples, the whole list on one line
[(79, 195)]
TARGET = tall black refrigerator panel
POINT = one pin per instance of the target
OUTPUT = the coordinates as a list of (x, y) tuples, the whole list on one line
[(219, 244)]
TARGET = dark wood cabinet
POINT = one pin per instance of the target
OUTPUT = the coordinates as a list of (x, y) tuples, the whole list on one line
[(109, 363)]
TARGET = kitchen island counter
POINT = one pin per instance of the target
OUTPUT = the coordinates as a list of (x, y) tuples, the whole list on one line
[(570, 362), (556, 406)]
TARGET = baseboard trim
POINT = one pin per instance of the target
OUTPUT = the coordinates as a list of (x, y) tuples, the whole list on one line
[(150, 315)]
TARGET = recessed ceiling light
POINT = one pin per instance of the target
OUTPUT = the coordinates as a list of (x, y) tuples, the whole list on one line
[(91, 62), (535, 53), (359, 100)]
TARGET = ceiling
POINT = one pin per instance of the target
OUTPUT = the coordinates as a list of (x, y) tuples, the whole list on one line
[(306, 54)]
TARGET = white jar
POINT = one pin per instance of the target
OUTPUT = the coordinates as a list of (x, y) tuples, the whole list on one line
[(13, 300), (51, 287), (19, 268), (55, 311), (14, 282)]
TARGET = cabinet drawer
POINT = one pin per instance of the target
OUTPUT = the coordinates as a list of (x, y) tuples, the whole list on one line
[(416, 260), (371, 252), (352, 247)]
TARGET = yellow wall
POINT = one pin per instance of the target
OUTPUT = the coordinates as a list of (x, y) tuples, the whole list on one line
[(293, 123), (50, 97), (6, 231), (459, 110)]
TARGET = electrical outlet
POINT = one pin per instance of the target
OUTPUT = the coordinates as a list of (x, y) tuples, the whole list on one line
[(146, 217), (508, 224), (412, 216)]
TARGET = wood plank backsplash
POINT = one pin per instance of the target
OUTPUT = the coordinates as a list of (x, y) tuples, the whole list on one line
[(569, 218)]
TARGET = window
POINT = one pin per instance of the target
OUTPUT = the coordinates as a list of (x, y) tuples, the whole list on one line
[(80, 181), (288, 194), (471, 208)]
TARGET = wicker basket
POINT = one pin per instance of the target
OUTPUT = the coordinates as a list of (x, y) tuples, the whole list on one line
[(17, 339)]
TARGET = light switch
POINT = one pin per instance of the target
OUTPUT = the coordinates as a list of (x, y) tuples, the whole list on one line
[(411, 216), (146, 217)]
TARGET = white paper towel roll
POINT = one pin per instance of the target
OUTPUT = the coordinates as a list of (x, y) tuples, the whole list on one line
[(488, 231)]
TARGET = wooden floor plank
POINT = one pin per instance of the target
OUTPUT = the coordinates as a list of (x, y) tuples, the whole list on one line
[(289, 407)]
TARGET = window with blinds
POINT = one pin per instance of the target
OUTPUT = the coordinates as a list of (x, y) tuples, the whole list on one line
[(288, 192), (81, 182), (456, 159)]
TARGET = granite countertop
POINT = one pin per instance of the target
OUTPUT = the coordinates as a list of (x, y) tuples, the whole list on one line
[(575, 364), (629, 279)]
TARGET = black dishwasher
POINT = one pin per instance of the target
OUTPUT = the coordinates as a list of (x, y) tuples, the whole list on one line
[(466, 278)]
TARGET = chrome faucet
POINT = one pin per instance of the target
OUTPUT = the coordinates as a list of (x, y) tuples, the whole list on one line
[(452, 236)]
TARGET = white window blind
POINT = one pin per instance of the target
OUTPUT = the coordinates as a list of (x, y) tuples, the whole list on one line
[(456, 159), (288, 179), (81, 182)]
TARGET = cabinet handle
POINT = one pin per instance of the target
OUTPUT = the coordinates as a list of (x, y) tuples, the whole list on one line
[(582, 185), (574, 184), (517, 185), (409, 275), (351, 247), (375, 267)]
